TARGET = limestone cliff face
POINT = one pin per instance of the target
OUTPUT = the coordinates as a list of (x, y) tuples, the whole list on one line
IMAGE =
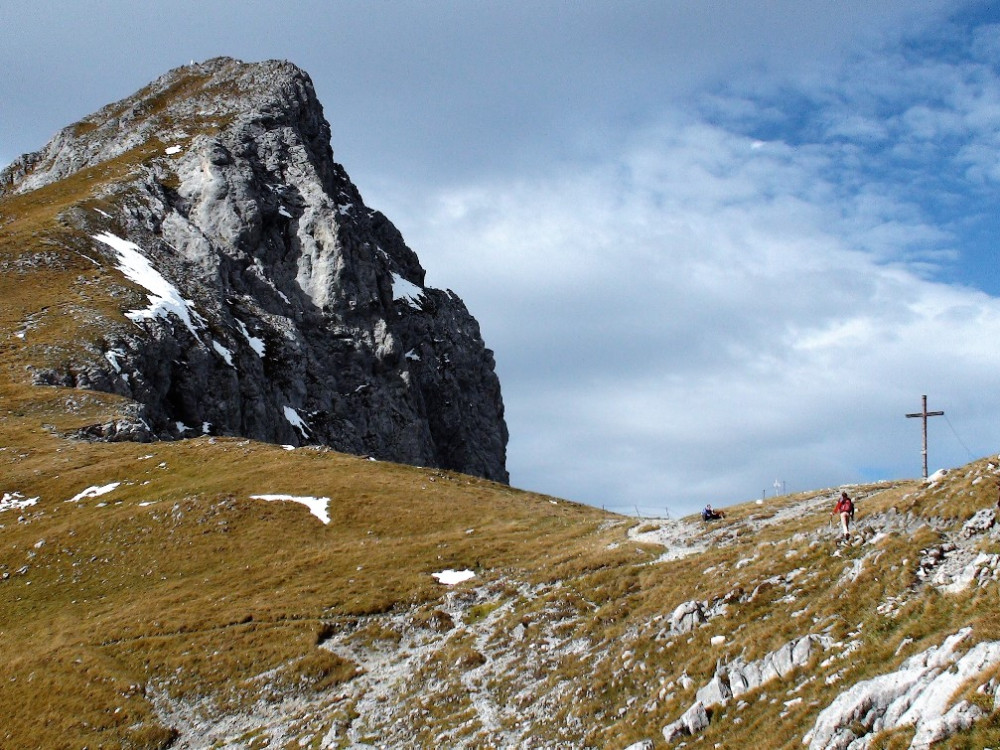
[(280, 306)]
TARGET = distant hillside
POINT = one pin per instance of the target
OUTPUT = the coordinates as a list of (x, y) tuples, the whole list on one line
[(196, 249)]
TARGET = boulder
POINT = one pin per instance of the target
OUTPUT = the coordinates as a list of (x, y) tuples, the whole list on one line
[(693, 721), (716, 692), (686, 617)]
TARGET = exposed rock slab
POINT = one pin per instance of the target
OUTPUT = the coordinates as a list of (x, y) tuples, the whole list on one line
[(917, 694)]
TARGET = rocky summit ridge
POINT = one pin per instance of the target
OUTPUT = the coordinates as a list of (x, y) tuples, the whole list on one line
[(257, 295)]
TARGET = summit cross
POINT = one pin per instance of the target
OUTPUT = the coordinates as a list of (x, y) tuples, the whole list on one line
[(924, 414)]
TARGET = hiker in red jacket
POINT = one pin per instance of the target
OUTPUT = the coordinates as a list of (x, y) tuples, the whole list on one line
[(845, 509)]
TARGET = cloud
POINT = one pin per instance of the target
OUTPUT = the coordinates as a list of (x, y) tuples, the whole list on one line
[(695, 315)]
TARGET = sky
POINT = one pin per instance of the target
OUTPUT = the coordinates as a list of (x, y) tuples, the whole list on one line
[(719, 248)]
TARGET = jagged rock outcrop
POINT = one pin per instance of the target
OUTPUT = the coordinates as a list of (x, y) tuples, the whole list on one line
[(280, 307), (918, 694)]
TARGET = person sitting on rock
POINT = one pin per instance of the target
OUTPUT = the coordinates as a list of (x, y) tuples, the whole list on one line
[(845, 509), (711, 515)]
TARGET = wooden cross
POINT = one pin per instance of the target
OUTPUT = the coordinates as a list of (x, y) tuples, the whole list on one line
[(924, 414)]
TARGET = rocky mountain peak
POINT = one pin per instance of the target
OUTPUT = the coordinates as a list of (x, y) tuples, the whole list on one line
[(190, 99), (281, 307)]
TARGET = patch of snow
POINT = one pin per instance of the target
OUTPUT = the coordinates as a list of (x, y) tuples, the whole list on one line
[(105, 214), (181, 427), (164, 298), (94, 492), (206, 427), (284, 212), (451, 577), (112, 356), (223, 352), (412, 356), (406, 290), (255, 343), (16, 501), (296, 421), (171, 150), (937, 476), (317, 505)]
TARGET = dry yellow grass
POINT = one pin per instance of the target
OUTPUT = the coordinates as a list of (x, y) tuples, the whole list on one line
[(177, 578)]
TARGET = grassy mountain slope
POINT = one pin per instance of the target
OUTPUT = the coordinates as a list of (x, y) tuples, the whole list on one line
[(143, 616), (177, 580)]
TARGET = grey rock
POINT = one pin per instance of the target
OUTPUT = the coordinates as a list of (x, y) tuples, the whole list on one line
[(743, 677), (693, 721), (802, 650), (917, 694), (781, 660), (960, 717), (980, 523), (716, 692), (686, 617), (673, 731), (309, 321), (738, 677)]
